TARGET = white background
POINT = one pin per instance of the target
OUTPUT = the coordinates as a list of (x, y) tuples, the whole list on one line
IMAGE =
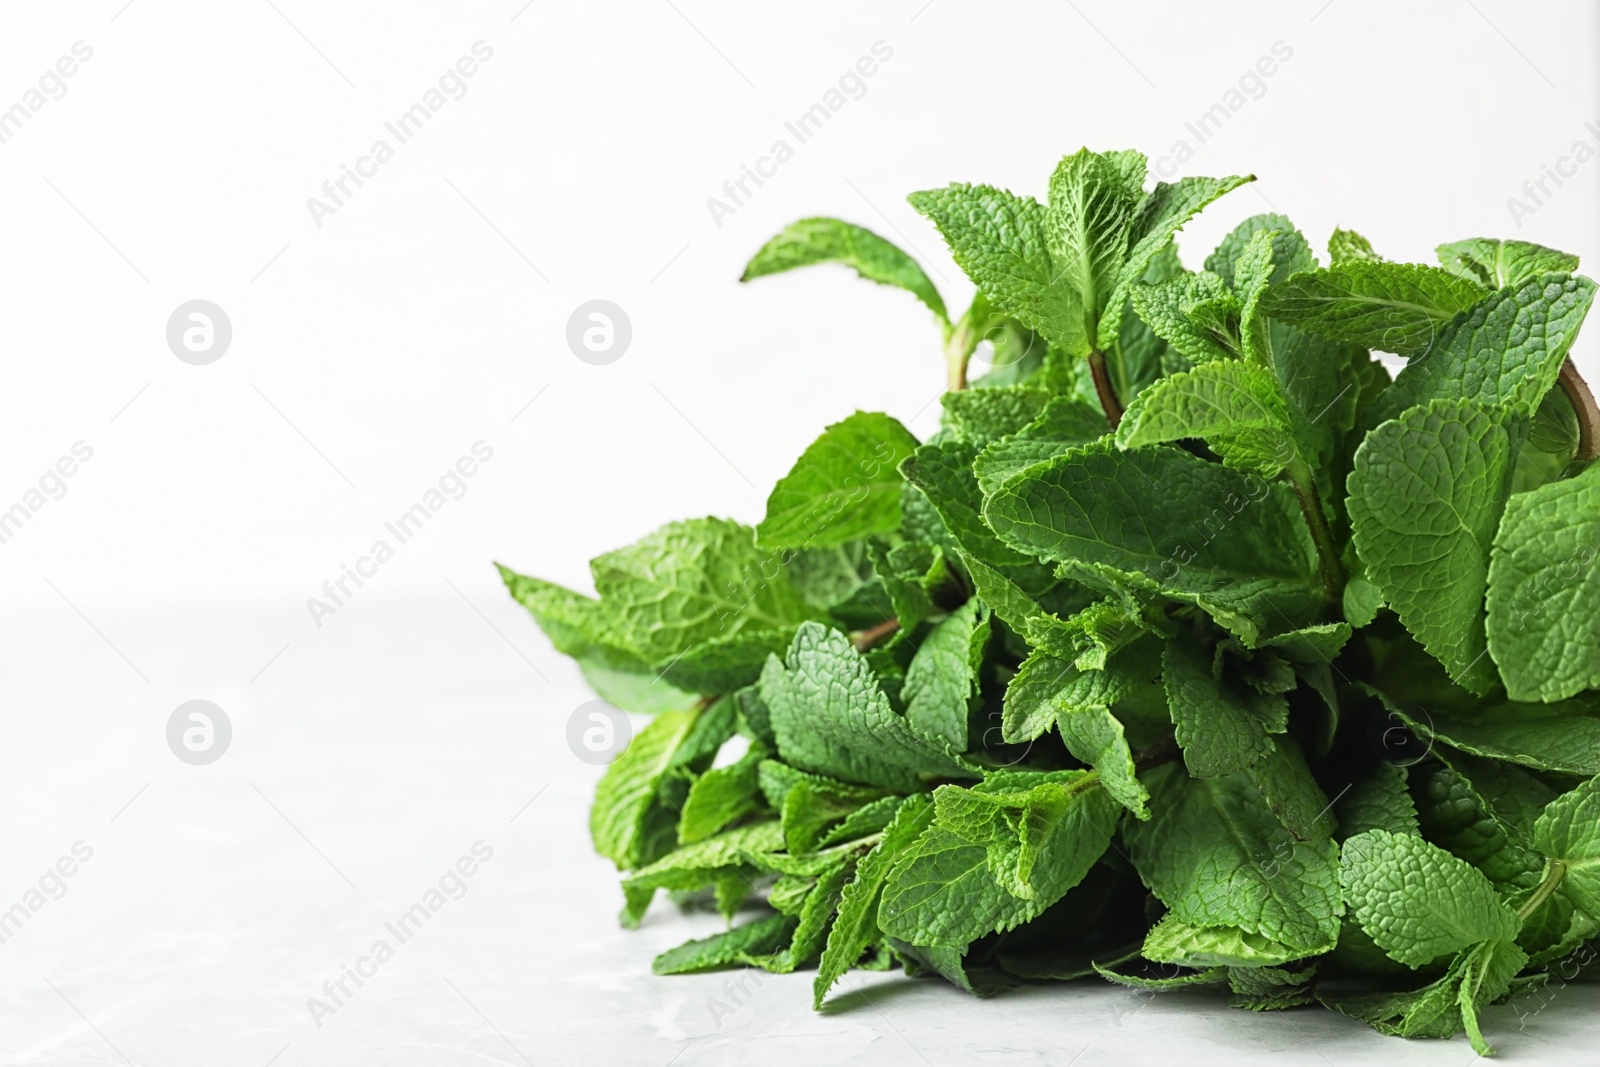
[(423, 316)]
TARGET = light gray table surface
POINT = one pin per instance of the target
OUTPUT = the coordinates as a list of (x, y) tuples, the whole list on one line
[(367, 758)]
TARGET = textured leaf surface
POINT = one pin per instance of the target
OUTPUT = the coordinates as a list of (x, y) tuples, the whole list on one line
[(1498, 264), (1417, 901), (1392, 307), (1569, 833), (724, 949), (628, 787), (1235, 407), (857, 925), (844, 486), (1426, 497), (999, 240), (689, 582), (942, 680), (1163, 519), (823, 240), (830, 715), (1544, 590), (1220, 728), (958, 883), (1506, 350), (1215, 855)]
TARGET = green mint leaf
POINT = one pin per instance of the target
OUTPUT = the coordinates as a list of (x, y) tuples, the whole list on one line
[(960, 882), (1568, 832), (1176, 942), (1235, 407), (722, 796), (1097, 738), (811, 928), (724, 663), (1291, 791), (846, 485), (944, 472), (857, 927), (1563, 737), (1497, 264), (1160, 519), (942, 681), (725, 949), (1046, 688), (999, 240), (1220, 728), (1544, 590), (1417, 901), (982, 416), (824, 240), (1255, 877), (1393, 307), (829, 715), (690, 582), (1380, 802), (1425, 500), (702, 864), (1161, 215), (1093, 200), (1504, 351), (1194, 313), (1289, 253), (1347, 246), (1064, 422), (627, 791)]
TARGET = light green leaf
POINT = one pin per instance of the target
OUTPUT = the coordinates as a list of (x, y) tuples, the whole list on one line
[(1392, 307), (1161, 215), (845, 485), (962, 878), (1497, 264), (1505, 351), (1569, 833), (1544, 590), (1235, 407), (1289, 253), (1221, 727), (1563, 736), (1176, 942), (690, 582), (942, 680), (1087, 224), (1162, 519), (1425, 500), (1347, 246), (628, 788), (725, 949), (722, 796), (1063, 423), (1417, 901), (1170, 307), (857, 925), (982, 416), (824, 240), (830, 716), (999, 240)]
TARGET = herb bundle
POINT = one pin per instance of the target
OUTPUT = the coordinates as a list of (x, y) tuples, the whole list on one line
[(1193, 649)]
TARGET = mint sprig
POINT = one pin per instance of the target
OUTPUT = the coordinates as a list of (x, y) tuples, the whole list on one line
[(1192, 650)]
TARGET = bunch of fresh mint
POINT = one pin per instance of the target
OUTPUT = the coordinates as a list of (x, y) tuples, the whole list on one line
[(1192, 650)]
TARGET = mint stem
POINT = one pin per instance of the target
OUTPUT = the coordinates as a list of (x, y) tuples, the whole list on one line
[(871, 636), (1583, 405), (1554, 873), (1305, 489), (1102, 385)]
